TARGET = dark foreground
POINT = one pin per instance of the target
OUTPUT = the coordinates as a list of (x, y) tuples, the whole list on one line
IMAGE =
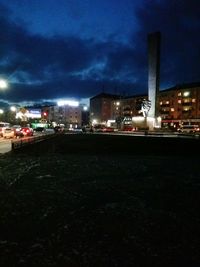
[(98, 201)]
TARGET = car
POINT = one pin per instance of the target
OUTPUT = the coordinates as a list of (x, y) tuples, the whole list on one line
[(87, 129), (189, 129), (78, 130), (57, 129), (26, 131), (128, 128), (8, 133), (17, 129), (3, 126), (108, 129), (40, 129)]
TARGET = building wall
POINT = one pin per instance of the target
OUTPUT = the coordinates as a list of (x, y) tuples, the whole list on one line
[(101, 107), (173, 105), (64, 115), (180, 104), (127, 107)]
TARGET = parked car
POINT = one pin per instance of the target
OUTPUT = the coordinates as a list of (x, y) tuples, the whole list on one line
[(26, 131), (8, 133)]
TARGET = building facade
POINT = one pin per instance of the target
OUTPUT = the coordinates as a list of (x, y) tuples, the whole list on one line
[(177, 105), (100, 108), (68, 115), (180, 104)]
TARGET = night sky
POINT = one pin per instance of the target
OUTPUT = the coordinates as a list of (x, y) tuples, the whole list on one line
[(52, 49)]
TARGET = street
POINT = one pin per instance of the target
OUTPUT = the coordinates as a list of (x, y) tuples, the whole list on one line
[(5, 145)]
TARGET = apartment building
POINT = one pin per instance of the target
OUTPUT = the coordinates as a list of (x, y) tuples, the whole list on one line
[(68, 115), (127, 106), (177, 105), (100, 107), (180, 104)]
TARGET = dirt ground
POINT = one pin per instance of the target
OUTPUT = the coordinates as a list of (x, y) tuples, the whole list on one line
[(96, 201)]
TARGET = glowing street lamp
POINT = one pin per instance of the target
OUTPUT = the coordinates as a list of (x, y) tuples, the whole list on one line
[(13, 108), (3, 84), (1, 111)]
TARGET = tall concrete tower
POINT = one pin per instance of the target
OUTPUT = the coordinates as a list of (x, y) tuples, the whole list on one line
[(153, 72)]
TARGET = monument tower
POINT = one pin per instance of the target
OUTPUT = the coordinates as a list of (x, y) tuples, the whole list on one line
[(153, 75)]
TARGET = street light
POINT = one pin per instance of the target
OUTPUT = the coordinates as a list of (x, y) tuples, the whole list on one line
[(13, 108), (1, 111), (3, 84)]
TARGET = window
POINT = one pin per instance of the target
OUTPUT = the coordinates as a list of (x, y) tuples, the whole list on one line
[(187, 93)]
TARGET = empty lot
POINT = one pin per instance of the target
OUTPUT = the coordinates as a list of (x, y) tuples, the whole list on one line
[(96, 200)]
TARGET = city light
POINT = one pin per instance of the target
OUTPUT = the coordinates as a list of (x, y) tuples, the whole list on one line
[(3, 84), (186, 93), (138, 118), (71, 103), (94, 121), (1, 111), (13, 108)]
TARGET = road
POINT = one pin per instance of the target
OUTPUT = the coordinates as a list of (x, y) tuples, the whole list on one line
[(5, 145)]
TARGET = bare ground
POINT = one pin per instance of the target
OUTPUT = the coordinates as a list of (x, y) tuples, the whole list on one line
[(89, 200)]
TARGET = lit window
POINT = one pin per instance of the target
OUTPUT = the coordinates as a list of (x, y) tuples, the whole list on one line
[(118, 103), (161, 103), (167, 102), (172, 109), (186, 93), (193, 100), (179, 101), (179, 94)]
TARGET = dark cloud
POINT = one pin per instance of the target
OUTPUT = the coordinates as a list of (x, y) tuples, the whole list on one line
[(178, 21), (61, 66), (40, 67)]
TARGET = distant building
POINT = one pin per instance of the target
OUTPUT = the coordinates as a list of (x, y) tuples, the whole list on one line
[(180, 104), (128, 106), (177, 105), (100, 107), (68, 115)]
